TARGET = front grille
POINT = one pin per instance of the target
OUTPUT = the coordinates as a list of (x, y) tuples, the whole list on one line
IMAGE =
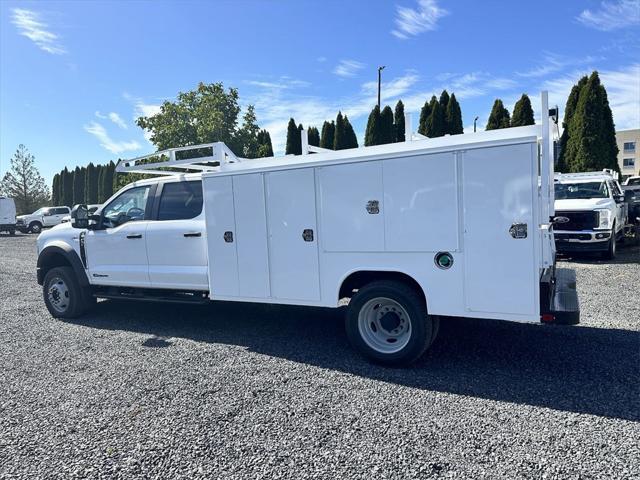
[(19, 222), (578, 220), (572, 236)]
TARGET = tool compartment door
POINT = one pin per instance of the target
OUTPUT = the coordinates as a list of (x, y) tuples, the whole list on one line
[(498, 196), (293, 236), (221, 236)]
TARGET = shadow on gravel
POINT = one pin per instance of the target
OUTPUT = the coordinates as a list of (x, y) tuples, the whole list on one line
[(625, 255), (576, 369)]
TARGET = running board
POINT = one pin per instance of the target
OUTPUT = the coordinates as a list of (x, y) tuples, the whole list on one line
[(151, 295), (565, 307)]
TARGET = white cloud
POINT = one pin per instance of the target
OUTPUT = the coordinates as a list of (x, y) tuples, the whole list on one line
[(30, 26), (411, 22), (612, 15), (623, 92), (348, 68), (114, 117), (552, 63), (98, 131), (117, 119), (282, 82)]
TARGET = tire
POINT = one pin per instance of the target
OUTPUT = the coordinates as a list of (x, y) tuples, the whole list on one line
[(35, 227), (610, 253), (387, 322), (63, 295)]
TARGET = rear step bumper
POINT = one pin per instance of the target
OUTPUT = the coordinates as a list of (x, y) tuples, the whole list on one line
[(560, 303)]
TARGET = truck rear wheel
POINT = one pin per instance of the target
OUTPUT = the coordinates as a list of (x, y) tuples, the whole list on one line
[(387, 322), (63, 295)]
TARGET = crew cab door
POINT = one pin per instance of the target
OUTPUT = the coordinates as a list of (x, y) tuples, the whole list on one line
[(176, 238), (116, 254), (49, 217)]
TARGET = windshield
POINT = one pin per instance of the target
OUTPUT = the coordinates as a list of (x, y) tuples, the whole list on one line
[(39, 211), (571, 191)]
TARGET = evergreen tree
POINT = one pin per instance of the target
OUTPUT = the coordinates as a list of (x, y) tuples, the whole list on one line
[(398, 120), (67, 187), (453, 116), (522, 112), (499, 117), (424, 115), (387, 134), (300, 130), (23, 182), (106, 182), (444, 103), (372, 134), (91, 184), (100, 183), (248, 134), (350, 135), (328, 134), (572, 103), (55, 190), (78, 186), (293, 139), (264, 140), (339, 140), (591, 144), (314, 136), (435, 120)]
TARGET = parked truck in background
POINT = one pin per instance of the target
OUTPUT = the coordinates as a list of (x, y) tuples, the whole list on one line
[(595, 207), (44, 217), (7, 215), (458, 226)]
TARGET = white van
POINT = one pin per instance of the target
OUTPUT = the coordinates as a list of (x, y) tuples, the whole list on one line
[(7, 215)]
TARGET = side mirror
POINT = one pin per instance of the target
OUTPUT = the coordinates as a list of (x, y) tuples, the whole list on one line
[(80, 216), (619, 198)]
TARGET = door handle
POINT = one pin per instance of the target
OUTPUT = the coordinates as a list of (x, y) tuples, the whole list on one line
[(307, 235), (193, 234), (134, 235)]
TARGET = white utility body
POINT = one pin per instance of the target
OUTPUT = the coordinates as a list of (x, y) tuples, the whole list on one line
[(451, 226)]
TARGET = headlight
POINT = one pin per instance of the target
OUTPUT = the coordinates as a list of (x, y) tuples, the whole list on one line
[(604, 219)]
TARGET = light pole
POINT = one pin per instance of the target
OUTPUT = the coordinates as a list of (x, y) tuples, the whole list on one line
[(474, 124), (379, 79)]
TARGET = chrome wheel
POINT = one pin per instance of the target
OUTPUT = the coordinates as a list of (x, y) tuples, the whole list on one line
[(384, 325), (35, 228), (58, 295)]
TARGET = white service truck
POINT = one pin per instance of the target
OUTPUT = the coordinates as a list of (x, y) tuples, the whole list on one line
[(454, 226), (595, 207)]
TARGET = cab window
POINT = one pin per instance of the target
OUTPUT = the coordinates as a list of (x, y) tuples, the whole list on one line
[(129, 206), (180, 200)]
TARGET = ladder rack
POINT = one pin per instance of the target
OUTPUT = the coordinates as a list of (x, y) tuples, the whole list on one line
[(220, 154)]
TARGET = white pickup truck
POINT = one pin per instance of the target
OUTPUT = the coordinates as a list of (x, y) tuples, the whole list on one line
[(594, 204), (456, 226), (44, 217)]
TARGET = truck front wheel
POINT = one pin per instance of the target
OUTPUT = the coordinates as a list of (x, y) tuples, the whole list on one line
[(610, 253), (63, 295), (35, 227), (387, 321)]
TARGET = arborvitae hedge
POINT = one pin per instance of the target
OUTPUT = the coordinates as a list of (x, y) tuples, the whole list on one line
[(398, 122), (522, 112), (499, 117)]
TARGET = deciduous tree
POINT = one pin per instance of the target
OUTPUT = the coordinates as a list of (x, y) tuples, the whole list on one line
[(23, 182)]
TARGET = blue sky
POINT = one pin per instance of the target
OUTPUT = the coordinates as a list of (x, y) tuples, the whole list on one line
[(75, 75)]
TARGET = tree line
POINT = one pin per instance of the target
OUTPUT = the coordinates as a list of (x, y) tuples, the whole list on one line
[(337, 135), (90, 185)]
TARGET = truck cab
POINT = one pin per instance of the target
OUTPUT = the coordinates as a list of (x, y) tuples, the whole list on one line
[(594, 205)]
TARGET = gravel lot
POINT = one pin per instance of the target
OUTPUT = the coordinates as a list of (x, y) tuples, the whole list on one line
[(237, 391)]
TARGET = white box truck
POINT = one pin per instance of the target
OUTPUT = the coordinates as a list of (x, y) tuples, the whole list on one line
[(457, 226), (7, 215)]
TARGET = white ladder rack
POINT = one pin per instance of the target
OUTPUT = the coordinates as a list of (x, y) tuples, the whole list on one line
[(220, 154)]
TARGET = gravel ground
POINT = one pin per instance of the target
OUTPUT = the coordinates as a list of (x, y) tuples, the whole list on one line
[(237, 391)]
